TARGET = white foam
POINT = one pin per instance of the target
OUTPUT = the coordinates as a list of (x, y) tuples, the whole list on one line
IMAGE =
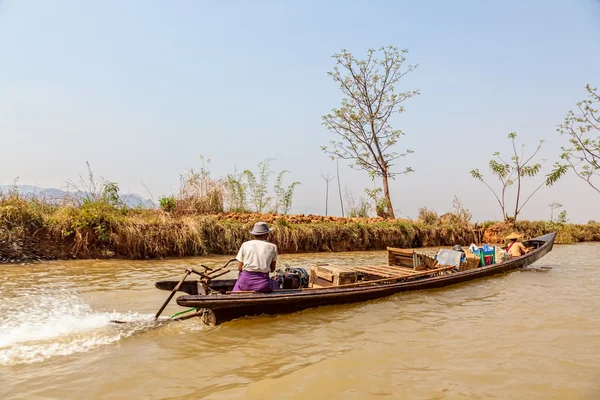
[(58, 323)]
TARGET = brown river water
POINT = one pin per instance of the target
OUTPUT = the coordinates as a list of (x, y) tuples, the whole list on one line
[(528, 334)]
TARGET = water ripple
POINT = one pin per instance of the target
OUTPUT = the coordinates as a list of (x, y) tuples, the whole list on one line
[(526, 334)]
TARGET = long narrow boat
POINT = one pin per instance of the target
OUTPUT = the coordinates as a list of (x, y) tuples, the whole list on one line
[(224, 306)]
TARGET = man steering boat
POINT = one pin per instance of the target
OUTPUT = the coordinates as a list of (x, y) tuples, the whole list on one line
[(256, 259)]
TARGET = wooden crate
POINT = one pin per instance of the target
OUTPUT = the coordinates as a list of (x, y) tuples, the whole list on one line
[(401, 257), (409, 259), (424, 262), (330, 275)]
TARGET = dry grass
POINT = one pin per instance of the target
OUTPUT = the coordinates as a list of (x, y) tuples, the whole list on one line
[(199, 193), (31, 228), (565, 233)]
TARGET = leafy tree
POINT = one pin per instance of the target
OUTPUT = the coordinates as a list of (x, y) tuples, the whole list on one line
[(512, 173), (582, 126), (249, 188), (235, 189), (279, 190), (362, 122), (258, 187), (562, 218), (283, 195), (110, 193), (288, 194)]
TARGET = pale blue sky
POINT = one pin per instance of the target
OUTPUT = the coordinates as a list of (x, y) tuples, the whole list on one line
[(141, 88)]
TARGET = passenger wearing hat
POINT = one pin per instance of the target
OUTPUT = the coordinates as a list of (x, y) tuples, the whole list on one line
[(515, 248), (256, 259), (463, 256)]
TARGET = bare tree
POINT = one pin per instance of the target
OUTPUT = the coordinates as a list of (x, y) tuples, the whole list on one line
[(337, 166), (327, 178), (553, 207), (362, 121), (583, 155)]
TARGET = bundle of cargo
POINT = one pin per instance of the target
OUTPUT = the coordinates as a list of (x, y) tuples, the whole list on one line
[(325, 275), (409, 258), (488, 254)]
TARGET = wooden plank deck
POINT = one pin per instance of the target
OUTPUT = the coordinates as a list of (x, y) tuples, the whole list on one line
[(385, 271)]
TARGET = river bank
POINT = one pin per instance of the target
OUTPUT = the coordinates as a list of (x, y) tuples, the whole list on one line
[(34, 230)]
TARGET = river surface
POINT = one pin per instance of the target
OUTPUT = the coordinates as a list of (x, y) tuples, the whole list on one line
[(529, 334)]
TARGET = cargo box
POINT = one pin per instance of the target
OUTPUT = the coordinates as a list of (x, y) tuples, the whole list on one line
[(330, 275)]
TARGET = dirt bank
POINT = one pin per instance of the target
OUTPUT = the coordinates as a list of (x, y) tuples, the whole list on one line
[(30, 231)]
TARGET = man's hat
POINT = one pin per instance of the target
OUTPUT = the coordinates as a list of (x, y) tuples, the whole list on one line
[(260, 228)]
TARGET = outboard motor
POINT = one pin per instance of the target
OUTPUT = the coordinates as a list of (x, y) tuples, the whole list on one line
[(292, 278)]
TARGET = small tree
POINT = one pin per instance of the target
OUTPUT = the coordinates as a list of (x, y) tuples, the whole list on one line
[(327, 179), (356, 208), (235, 190), (362, 121), (379, 201), (279, 190), (553, 207), (288, 194), (583, 155), (459, 213), (562, 218), (258, 188), (283, 195), (512, 173), (110, 194), (337, 166)]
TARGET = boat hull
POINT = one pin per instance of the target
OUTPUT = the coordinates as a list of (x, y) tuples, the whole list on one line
[(228, 307)]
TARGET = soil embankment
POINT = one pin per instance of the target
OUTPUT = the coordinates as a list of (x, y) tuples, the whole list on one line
[(33, 231)]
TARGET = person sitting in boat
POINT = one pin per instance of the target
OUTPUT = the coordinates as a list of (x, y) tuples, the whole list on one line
[(256, 259), (515, 248), (463, 256)]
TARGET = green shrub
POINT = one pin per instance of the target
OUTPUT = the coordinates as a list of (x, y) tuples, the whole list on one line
[(167, 203)]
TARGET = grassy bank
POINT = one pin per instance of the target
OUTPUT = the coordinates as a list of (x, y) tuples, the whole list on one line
[(34, 229)]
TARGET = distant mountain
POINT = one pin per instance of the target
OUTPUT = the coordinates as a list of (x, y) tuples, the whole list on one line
[(135, 200), (52, 194)]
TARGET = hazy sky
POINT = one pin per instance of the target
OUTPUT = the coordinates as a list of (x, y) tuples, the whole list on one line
[(141, 89)]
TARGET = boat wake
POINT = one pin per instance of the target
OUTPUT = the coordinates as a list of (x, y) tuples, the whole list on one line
[(58, 323)]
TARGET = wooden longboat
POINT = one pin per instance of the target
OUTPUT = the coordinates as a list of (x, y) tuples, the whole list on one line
[(226, 307)]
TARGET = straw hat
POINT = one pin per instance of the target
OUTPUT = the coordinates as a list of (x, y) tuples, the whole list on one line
[(260, 228), (513, 235)]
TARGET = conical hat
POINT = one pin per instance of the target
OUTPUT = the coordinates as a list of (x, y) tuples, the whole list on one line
[(513, 235)]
